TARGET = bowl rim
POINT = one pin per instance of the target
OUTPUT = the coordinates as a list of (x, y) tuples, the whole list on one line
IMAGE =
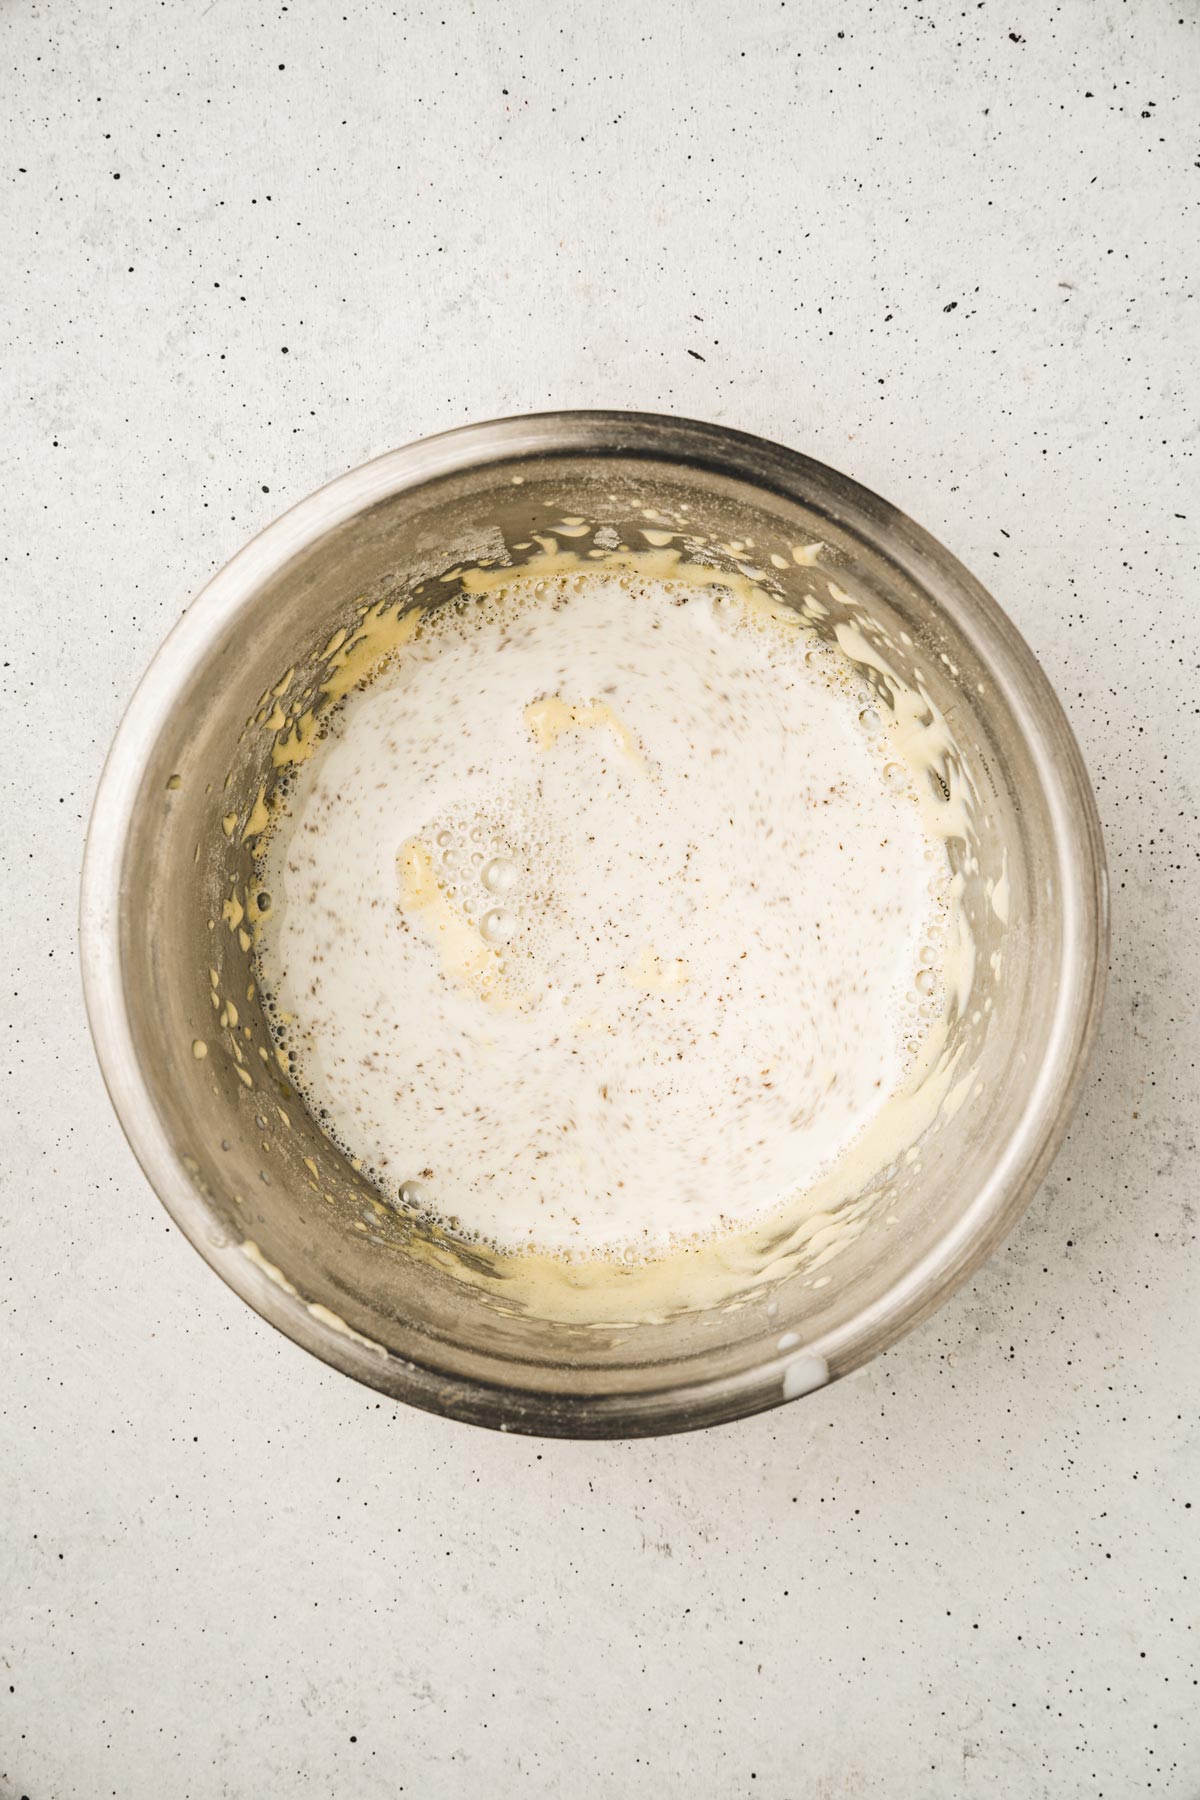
[(1080, 870)]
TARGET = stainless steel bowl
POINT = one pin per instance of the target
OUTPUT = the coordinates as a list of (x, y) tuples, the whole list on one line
[(275, 1209)]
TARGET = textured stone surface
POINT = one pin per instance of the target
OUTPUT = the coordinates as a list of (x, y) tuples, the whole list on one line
[(950, 250)]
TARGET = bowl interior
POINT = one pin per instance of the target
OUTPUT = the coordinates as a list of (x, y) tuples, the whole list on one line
[(277, 1207)]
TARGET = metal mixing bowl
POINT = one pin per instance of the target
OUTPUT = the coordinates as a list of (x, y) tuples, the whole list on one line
[(270, 1203)]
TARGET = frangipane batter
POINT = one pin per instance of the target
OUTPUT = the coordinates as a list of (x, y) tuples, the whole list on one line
[(603, 915)]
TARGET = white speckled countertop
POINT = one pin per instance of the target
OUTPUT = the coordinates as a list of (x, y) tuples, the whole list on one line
[(949, 249)]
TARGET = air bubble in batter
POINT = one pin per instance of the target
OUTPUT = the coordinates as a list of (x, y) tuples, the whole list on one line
[(497, 926), (500, 876)]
